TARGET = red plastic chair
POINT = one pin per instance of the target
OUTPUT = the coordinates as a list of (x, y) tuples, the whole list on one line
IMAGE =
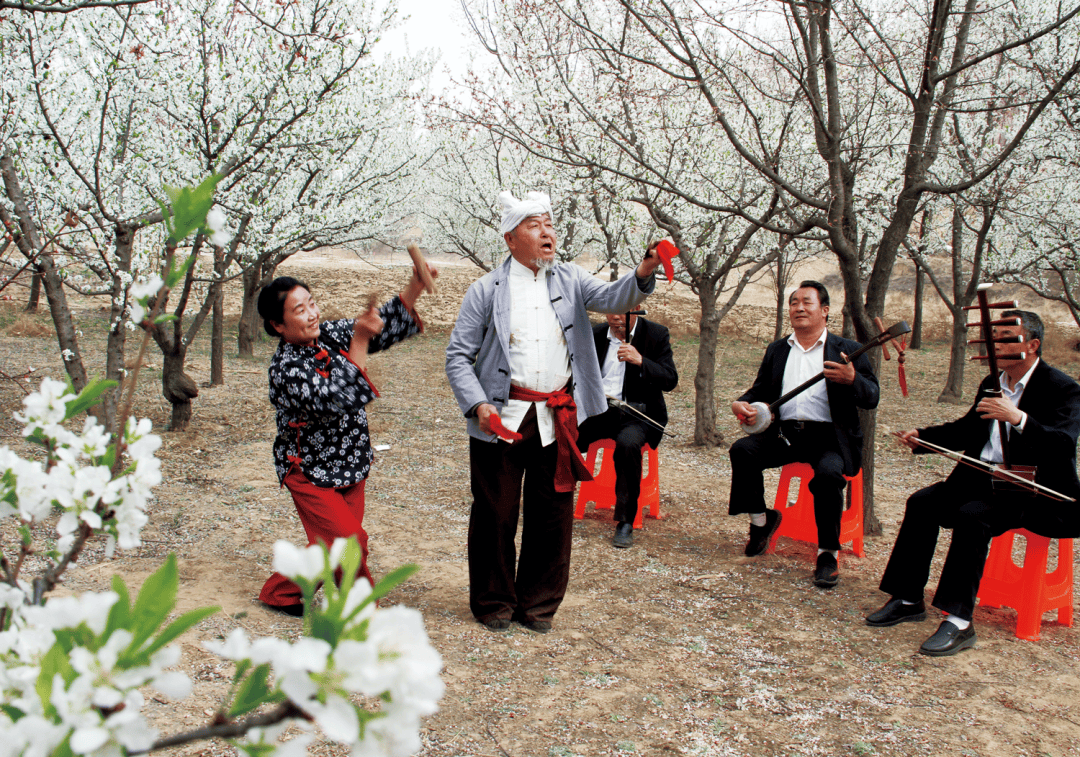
[(601, 490), (1029, 588), (798, 522)]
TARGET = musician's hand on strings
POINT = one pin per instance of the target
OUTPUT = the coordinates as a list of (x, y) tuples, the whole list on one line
[(629, 354), (841, 373), (744, 412), (999, 409), (907, 438)]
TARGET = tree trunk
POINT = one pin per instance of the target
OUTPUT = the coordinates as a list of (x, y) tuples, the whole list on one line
[(217, 329), (177, 387), (781, 282), (250, 327), (29, 243), (953, 393), (35, 291), (705, 431), (917, 319), (117, 340)]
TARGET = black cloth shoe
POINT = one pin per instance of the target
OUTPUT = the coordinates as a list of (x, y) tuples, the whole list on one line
[(539, 626), (948, 640), (827, 572), (296, 611), (624, 536), (496, 624), (760, 535), (895, 611)]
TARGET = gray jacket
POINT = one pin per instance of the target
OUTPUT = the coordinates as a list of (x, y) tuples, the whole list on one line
[(478, 355)]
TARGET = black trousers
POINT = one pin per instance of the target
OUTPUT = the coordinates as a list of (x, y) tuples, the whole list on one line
[(536, 588), (815, 444), (630, 437), (976, 514)]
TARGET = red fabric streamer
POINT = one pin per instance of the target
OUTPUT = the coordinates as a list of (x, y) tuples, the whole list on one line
[(570, 467), (666, 250), (502, 431)]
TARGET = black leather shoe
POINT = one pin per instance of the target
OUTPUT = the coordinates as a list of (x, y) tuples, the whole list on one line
[(760, 535), (895, 611), (827, 572), (624, 536), (539, 626), (948, 640), (496, 624)]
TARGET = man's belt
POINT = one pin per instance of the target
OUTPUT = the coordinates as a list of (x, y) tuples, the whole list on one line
[(569, 467)]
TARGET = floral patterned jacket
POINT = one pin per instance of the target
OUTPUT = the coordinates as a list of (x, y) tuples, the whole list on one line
[(320, 395)]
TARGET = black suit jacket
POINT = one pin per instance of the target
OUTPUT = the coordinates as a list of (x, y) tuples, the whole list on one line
[(844, 401), (1052, 401), (656, 375)]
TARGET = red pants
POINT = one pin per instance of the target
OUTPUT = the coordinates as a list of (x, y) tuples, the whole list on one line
[(326, 514)]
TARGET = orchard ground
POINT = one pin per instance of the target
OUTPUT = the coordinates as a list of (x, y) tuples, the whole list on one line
[(678, 646)]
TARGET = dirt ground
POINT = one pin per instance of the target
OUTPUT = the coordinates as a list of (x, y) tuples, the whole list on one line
[(678, 646)]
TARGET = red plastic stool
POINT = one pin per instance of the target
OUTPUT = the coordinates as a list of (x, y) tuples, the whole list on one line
[(1029, 588), (798, 522), (601, 489)]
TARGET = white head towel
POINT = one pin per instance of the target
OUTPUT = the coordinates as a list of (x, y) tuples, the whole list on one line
[(514, 211)]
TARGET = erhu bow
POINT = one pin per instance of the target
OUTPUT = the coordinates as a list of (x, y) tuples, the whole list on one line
[(765, 413)]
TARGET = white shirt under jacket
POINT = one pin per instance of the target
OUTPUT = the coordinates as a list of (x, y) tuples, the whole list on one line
[(802, 365), (539, 357), (614, 370), (991, 451)]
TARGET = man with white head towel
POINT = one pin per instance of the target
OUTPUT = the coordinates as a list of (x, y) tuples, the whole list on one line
[(522, 362)]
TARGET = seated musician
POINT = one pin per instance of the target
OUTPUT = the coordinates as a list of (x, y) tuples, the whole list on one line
[(819, 426), (1041, 406), (636, 369)]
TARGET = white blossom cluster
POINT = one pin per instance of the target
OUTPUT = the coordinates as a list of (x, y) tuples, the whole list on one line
[(72, 669), (383, 654), (78, 479)]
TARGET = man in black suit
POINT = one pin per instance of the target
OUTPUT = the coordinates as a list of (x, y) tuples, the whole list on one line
[(820, 426), (1041, 407), (637, 370)]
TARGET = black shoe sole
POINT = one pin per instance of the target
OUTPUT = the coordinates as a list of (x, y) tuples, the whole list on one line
[(917, 618), (826, 583)]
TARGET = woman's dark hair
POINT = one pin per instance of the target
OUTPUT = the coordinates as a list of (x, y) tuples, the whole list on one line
[(272, 301)]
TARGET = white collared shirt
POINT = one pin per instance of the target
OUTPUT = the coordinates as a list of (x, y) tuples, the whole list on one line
[(614, 370), (539, 356), (802, 365), (991, 451)]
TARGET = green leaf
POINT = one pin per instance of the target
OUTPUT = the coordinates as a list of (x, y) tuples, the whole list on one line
[(88, 397), (174, 275), (350, 563), (154, 603), (253, 692), (392, 580), (55, 662), (190, 206), (120, 612), (12, 712), (178, 626), (25, 535)]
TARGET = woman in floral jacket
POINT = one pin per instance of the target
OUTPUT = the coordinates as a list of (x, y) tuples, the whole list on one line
[(318, 385)]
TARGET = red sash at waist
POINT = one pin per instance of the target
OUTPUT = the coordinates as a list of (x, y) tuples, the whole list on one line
[(570, 467)]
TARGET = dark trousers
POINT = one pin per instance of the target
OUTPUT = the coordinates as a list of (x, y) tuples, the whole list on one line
[(629, 435), (815, 444), (975, 514), (326, 514), (536, 589)]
